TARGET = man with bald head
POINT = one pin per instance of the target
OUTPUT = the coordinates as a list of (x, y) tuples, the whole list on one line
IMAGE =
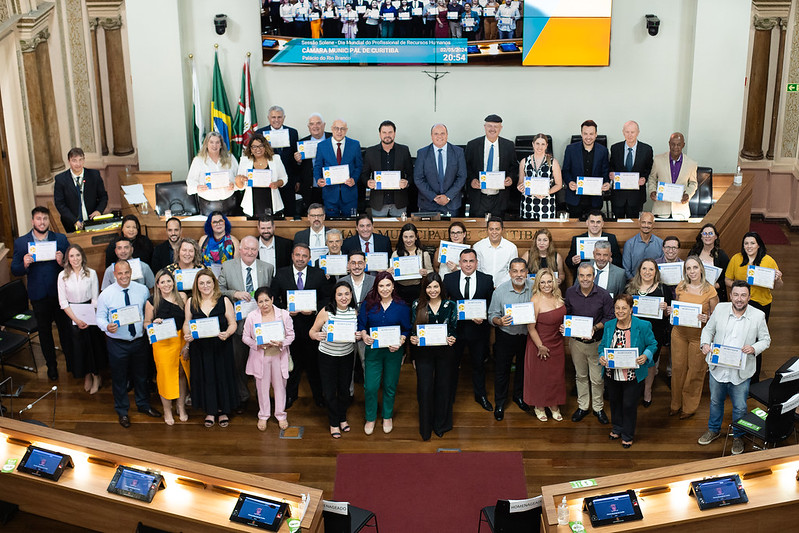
[(340, 198), (238, 281), (440, 173), (630, 155), (673, 167)]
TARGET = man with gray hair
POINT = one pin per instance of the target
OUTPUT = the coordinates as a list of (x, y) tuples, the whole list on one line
[(606, 274), (283, 141), (311, 194), (630, 155), (337, 165), (440, 173)]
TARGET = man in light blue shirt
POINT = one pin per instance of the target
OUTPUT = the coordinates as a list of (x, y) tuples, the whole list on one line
[(123, 249), (643, 245)]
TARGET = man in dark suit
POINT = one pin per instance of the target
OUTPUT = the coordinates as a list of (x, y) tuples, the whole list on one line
[(587, 159), (630, 155), (286, 150), (366, 240), (440, 173), (311, 194), (339, 199), (272, 249), (490, 153), (304, 351), (166, 253), (387, 155), (313, 236), (79, 193), (468, 283), (595, 224)]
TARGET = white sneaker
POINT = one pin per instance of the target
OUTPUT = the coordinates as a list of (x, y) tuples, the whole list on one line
[(369, 428), (737, 446), (708, 437)]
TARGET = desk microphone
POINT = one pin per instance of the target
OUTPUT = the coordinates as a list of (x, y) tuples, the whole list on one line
[(43, 396)]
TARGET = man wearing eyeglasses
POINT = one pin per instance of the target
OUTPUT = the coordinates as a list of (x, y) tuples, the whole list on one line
[(314, 235), (340, 197)]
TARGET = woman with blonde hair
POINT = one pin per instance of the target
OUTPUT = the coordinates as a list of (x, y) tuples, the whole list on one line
[(212, 160)]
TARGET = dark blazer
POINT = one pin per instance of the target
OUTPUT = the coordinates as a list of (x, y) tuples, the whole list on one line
[(615, 251), (283, 248), (163, 255), (306, 174), (284, 281), (425, 176), (67, 201), (292, 168), (353, 242), (368, 283), (642, 164), (475, 155), (304, 235), (326, 157), (43, 276), (573, 166), (372, 158), (484, 290)]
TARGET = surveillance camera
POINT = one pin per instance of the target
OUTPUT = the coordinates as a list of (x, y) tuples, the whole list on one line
[(652, 25), (220, 23)]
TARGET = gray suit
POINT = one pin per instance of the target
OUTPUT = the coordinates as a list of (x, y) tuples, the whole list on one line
[(617, 279), (368, 282), (425, 176)]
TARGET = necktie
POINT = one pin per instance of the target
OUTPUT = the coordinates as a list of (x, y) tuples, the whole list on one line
[(80, 199), (248, 281), (366, 247), (598, 276), (300, 284), (466, 291), (131, 327), (338, 153), (629, 161), (441, 166), (490, 164)]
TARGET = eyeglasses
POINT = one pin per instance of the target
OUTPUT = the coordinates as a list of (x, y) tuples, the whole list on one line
[(256, 147), (222, 221), (671, 247), (456, 232), (315, 216), (708, 234)]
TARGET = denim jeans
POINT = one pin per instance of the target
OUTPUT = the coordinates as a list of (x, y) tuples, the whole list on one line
[(718, 394)]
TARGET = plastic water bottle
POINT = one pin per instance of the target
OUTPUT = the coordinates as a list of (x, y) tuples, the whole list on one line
[(563, 513)]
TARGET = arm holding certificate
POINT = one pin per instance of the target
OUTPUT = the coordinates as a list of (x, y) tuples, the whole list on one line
[(274, 314), (642, 339)]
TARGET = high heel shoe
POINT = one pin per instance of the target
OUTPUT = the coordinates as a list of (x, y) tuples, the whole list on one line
[(97, 382), (540, 414), (87, 382), (556, 416)]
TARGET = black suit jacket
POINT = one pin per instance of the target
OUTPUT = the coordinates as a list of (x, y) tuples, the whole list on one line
[(642, 164), (353, 242), (615, 252), (306, 174), (283, 248), (484, 290), (163, 255), (292, 169), (372, 158), (315, 279), (67, 201), (475, 156)]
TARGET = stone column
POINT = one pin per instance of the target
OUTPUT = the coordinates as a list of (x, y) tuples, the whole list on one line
[(117, 86), (778, 88), (93, 23), (758, 85), (48, 104)]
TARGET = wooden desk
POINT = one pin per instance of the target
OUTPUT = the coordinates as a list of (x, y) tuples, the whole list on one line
[(773, 499), (81, 498)]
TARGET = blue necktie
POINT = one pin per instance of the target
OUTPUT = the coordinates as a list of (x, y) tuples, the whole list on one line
[(131, 327), (629, 161), (490, 164), (300, 284), (248, 282), (441, 166)]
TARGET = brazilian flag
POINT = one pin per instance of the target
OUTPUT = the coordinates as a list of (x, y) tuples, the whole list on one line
[(220, 110)]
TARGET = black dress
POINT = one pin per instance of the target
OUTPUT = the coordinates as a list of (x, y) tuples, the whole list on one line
[(660, 327), (213, 385)]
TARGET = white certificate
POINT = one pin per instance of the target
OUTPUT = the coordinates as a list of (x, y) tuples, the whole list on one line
[(278, 138), (184, 278), (85, 312), (307, 149), (341, 330), (490, 11), (669, 192), (468, 23), (135, 268), (387, 179), (450, 251), (259, 177), (520, 313), (396, 3), (301, 300), (536, 187), (578, 326), (416, 11), (728, 356), (712, 273), (625, 181), (385, 336), (130, 314), (621, 357), (432, 334), (361, 8), (761, 276), (244, 308), (492, 180), (452, 15), (670, 273), (647, 306), (376, 261), (266, 332), (406, 267), (217, 180), (404, 15), (685, 314), (328, 14), (471, 309), (317, 253), (164, 330), (585, 246), (315, 16), (588, 186), (388, 17), (333, 265), (336, 175), (42, 250), (204, 328)]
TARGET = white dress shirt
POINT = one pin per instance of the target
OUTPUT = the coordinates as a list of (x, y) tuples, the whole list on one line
[(472, 284), (78, 288), (494, 164), (601, 276), (317, 239), (495, 260), (78, 180), (253, 272), (267, 253)]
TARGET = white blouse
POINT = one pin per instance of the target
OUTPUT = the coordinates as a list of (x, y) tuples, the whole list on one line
[(78, 288), (278, 173), (196, 177)]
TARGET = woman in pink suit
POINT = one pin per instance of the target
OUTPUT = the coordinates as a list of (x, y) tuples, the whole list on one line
[(268, 362)]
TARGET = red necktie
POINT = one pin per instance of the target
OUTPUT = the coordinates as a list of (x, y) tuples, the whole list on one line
[(366, 244), (338, 153)]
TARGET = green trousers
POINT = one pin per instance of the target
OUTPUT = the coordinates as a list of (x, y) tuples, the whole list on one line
[(381, 365)]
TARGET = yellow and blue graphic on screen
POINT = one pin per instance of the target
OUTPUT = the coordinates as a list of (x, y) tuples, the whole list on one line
[(566, 32)]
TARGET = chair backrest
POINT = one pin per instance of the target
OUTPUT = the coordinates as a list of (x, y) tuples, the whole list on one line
[(785, 383), (337, 517), (518, 516), (701, 202), (784, 389), (14, 296), (780, 421), (172, 195), (526, 142)]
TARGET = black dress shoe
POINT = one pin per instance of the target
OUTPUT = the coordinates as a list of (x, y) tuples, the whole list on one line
[(52, 374), (523, 406), (579, 414), (124, 421), (150, 412), (601, 416), (647, 403), (290, 402), (484, 403), (499, 413)]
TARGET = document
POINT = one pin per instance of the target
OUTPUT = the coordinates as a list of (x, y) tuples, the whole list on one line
[(217, 180), (585, 246), (407, 267), (728, 356), (520, 313), (385, 336), (164, 330), (341, 330), (761, 276), (712, 273), (588, 186), (135, 268), (388, 17), (536, 187), (123, 316), (184, 278), (134, 194), (85, 312), (490, 11), (685, 314), (317, 253), (387, 179), (625, 181), (278, 138), (266, 332), (307, 149), (244, 308), (670, 273), (621, 357), (361, 8), (432, 334), (204, 328), (376, 261), (404, 15), (492, 180), (669, 192), (304, 300), (336, 175), (416, 11), (452, 15), (648, 306), (450, 251), (42, 250), (471, 309), (259, 177), (578, 326), (333, 265), (328, 14)]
